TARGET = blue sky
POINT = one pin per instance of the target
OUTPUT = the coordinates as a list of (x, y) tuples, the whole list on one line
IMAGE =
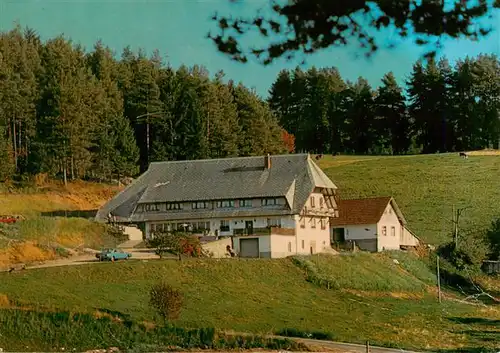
[(178, 29)]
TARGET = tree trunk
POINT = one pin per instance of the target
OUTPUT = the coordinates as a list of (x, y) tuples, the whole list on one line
[(65, 172), (15, 141)]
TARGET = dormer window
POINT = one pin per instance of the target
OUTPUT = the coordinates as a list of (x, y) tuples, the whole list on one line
[(321, 202), (313, 202), (246, 203), (174, 206), (225, 204), (199, 205), (151, 207), (269, 202)]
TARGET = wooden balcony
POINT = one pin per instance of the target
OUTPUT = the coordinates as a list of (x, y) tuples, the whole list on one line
[(264, 231)]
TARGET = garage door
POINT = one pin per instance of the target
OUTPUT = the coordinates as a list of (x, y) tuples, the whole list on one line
[(249, 247)]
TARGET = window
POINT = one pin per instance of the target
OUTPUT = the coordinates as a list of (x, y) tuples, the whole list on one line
[(303, 222), (313, 222), (303, 244), (321, 200), (199, 205), (274, 222), (224, 226), (312, 201), (323, 223), (246, 203), (384, 230), (225, 203), (289, 246), (152, 207), (174, 206), (393, 231), (269, 202)]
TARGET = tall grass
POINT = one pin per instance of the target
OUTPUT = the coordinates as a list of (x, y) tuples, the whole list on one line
[(365, 272), (26, 330), (425, 187), (68, 232)]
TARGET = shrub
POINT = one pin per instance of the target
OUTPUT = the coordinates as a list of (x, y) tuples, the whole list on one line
[(469, 254), (317, 335), (493, 235), (177, 243), (166, 300)]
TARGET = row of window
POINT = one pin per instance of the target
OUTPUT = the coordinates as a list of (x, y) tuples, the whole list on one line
[(323, 222), (393, 231), (155, 207), (185, 226), (191, 226)]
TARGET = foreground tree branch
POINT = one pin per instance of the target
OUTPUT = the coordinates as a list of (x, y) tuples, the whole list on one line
[(310, 25)]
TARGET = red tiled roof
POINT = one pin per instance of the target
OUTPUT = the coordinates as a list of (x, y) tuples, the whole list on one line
[(360, 211)]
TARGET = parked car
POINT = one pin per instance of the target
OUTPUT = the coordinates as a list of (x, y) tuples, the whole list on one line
[(8, 219), (112, 255)]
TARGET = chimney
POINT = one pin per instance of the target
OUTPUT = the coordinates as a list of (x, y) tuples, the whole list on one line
[(267, 161)]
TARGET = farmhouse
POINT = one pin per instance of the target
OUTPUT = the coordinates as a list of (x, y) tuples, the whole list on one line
[(374, 224), (269, 206)]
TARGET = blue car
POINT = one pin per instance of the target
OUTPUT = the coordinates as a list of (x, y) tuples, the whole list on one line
[(112, 255)]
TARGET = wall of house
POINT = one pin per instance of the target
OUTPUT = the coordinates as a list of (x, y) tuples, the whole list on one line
[(218, 247), (282, 245), (264, 244), (407, 239), (365, 235), (307, 236), (389, 241), (316, 200)]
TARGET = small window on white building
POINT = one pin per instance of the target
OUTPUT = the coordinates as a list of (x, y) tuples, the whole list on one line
[(321, 201), (224, 225), (313, 201), (393, 231), (313, 222), (323, 223), (274, 222), (289, 246), (303, 222), (303, 244), (384, 230)]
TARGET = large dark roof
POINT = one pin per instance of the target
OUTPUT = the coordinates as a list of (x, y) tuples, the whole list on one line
[(364, 211), (292, 176)]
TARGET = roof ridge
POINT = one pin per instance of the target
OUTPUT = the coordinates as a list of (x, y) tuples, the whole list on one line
[(229, 158), (366, 198)]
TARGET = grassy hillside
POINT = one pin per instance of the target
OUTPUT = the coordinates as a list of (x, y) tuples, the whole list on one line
[(266, 296), (425, 187), (55, 216)]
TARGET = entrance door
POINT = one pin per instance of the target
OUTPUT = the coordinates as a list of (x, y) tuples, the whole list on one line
[(249, 227), (249, 247), (313, 247)]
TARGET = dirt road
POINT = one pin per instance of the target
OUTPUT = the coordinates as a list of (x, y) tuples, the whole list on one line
[(137, 254)]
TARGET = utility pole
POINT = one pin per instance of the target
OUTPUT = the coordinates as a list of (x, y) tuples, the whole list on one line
[(456, 216)]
